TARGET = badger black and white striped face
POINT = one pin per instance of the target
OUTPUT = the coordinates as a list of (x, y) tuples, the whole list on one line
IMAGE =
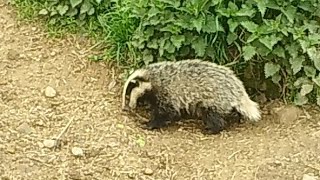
[(133, 82), (136, 90)]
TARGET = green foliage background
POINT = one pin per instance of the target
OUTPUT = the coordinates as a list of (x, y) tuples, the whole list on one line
[(274, 42)]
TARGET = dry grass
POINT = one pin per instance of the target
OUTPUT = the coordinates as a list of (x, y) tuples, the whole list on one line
[(114, 146)]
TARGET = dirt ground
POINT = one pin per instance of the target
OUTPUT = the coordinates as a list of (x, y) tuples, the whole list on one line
[(104, 143)]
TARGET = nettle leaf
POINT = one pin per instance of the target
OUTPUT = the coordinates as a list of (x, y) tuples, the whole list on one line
[(211, 52), (85, 7), (310, 71), (231, 38), (314, 55), (62, 9), (293, 49), (270, 69), (252, 37), (261, 6), (91, 11), (177, 40), (53, 12), (300, 100), (153, 11), (290, 12), (276, 78), (296, 64), (171, 28), (304, 45), (245, 11), (312, 26), (233, 7), (212, 25), (300, 81), (248, 52), (75, 3), (153, 44), (306, 89), (224, 12), (316, 80), (198, 22), (232, 24), (147, 56), (314, 39), (169, 47), (306, 5), (162, 42), (270, 41), (184, 50), (43, 12), (261, 48), (189, 38), (199, 45), (249, 26), (279, 51), (318, 101)]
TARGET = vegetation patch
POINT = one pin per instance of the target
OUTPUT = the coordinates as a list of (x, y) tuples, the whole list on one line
[(274, 42)]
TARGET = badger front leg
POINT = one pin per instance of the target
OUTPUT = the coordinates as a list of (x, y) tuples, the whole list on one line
[(160, 115), (213, 121), (157, 120)]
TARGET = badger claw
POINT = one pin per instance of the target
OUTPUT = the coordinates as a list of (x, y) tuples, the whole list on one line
[(211, 131), (150, 125)]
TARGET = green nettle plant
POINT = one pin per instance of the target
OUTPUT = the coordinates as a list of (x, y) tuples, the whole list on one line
[(277, 38), (283, 35)]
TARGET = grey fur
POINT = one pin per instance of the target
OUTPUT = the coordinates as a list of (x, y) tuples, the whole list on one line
[(193, 87)]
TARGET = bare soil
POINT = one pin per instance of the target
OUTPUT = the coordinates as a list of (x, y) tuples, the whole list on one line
[(284, 145)]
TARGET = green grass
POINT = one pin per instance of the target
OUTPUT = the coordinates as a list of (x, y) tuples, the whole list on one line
[(113, 27)]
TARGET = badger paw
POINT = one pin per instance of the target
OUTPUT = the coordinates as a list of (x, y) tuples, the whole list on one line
[(211, 131), (150, 125)]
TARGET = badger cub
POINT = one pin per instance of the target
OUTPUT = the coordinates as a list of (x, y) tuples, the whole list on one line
[(189, 89)]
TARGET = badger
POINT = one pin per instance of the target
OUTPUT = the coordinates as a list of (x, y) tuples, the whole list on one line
[(190, 88)]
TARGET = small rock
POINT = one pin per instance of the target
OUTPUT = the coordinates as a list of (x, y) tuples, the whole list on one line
[(24, 128), (53, 53), (77, 151), (11, 149), (131, 175), (50, 92), (148, 171), (40, 144), (288, 114), (13, 54), (33, 28), (49, 143), (309, 177)]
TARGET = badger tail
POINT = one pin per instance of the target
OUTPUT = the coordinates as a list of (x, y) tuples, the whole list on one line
[(249, 109)]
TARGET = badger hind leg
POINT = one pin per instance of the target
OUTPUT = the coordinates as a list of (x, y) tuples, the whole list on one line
[(214, 121), (233, 117)]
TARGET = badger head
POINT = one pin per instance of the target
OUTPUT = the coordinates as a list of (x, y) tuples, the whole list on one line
[(136, 86)]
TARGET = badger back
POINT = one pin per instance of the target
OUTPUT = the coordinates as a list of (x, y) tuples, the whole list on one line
[(187, 82)]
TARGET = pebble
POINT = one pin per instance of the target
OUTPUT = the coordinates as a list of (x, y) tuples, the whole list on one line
[(50, 92), (11, 149), (48, 143), (24, 128), (309, 177), (76, 151), (53, 53), (148, 171), (288, 114)]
